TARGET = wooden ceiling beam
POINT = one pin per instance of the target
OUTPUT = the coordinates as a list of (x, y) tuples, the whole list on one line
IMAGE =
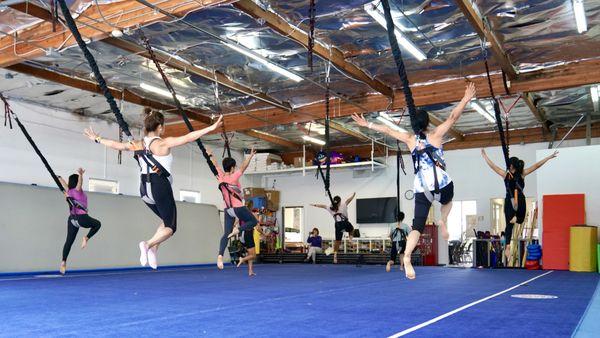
[(560, 77), (538, 113), (485, 32), (34, 41), (273, 139), (350, 132), (336, 56), (162, 57), (480, 140), (185, 66), (200, 120)]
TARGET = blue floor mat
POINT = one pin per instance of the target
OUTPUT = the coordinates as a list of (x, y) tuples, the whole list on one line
[(292, 300)]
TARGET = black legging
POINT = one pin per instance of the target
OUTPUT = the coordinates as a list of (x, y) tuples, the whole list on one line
[(510, 213), (247, 223), (397, 248), (73, 224)]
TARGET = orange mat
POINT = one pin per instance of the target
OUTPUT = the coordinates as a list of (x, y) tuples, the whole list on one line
[(560, 213)]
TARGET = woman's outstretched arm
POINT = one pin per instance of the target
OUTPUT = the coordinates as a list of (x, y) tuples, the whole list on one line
[(441, 130), (350, 198), (492, 165), (116, 145), (322, 206), (539, 164), (246, 162), (172, 142), (80, 172), (401, 136)]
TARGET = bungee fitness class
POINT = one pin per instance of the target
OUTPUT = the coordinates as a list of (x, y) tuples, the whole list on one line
[(364, 168)]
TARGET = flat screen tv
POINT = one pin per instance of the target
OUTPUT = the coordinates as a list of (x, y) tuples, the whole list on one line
[(376, 210)]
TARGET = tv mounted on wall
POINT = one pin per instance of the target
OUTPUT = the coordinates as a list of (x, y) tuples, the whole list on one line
[(376, 210)]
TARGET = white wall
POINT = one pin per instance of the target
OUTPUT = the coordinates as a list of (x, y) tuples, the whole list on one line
[(34, 227), (59, 136), (472, 177), (578, 170)]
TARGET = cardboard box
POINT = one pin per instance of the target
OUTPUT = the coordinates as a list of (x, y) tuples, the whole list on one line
[(272, 199), (250, 193)]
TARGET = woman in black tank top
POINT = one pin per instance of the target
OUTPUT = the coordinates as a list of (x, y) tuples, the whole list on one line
[(515, 206)]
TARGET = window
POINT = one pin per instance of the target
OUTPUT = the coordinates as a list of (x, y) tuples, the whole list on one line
[(463, 213), (190, 196), (106, 186)]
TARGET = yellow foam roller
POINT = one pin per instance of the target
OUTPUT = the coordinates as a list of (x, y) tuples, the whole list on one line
[(582, 249)]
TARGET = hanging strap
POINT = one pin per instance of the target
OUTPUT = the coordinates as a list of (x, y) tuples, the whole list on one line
[(94, 66), (505, 149), (176, 100), (9, 111), (327, 176), (410, 103), (311, 32), (231, 193), (227, 148)]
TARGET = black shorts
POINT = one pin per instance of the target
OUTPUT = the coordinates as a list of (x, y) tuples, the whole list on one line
[(340, 227), (422, 205), (158, 196), (248, 238)]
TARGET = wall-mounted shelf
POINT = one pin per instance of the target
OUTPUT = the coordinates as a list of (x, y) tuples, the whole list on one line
[(372, 165)]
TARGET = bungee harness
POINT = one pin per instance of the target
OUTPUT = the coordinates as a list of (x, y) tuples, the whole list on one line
[(412, 111), (514, 195)]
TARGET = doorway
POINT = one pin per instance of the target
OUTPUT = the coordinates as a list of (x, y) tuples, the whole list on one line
[(293, 221)]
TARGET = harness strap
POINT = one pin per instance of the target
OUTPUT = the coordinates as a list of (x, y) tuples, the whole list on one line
[(232, 193)]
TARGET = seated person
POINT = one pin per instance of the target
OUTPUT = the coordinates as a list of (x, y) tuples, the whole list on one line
[(315, 242)]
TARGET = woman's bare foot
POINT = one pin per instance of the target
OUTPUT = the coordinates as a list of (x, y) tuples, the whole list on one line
[(444, 230), (401, 267), (240, 263), (235, 232), (84, 242), (388, 266), (251, 273), (220, 262), (335, 258), (408, 268), (507, 251), (63, 267)]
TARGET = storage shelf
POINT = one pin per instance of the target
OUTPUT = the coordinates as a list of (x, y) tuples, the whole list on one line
[(353, 166)]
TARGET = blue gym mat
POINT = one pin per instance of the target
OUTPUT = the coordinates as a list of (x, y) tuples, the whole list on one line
[(295, 301)]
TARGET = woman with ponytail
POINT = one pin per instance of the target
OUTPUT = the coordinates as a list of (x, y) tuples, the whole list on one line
[(339, 211), (515, 206), (155, 159)]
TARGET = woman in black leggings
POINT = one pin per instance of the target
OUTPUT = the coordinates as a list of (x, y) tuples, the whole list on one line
[(78, 215), (515, 206)]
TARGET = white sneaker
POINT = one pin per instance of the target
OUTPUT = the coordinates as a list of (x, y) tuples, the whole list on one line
[(143, 253), (152, 261)]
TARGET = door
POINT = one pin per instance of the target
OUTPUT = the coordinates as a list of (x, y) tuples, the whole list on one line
[(293, 220)]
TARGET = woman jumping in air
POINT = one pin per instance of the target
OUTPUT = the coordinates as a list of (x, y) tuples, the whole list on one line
[(515, 207), (155, 159), (78, 215), (231, 189), (339, 212), (432, 182)]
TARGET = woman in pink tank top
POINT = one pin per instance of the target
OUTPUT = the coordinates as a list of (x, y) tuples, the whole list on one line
[(230, 187)]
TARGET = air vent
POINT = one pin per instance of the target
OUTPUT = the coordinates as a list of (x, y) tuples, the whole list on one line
[(54, 92)]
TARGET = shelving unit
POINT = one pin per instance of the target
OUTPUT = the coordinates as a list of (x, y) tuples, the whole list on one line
[(372, 164)]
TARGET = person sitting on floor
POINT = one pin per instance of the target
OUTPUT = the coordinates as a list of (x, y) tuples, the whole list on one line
[(315, 242)]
